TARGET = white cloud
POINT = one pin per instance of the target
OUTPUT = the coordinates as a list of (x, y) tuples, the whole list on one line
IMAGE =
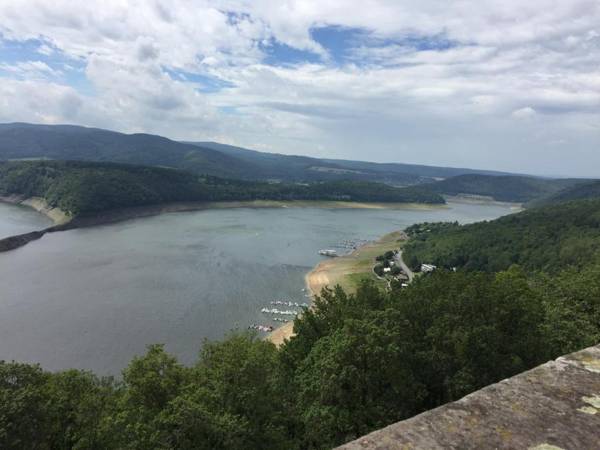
[(524, 113), (506, 60), (30, 69)]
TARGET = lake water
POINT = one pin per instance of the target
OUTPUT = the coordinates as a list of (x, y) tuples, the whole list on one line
[(20, 219), (93, 298)]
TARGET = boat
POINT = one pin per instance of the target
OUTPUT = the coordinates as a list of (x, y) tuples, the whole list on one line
[(327, 252)]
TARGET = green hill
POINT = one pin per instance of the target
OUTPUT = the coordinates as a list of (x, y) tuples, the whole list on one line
[(81, 187), (507, 188), (547, 238), (580, 191), (302, 168), (68, 142)]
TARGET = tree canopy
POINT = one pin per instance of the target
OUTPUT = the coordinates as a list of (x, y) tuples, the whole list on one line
[(88, 187), (548, 238), (357, 363)]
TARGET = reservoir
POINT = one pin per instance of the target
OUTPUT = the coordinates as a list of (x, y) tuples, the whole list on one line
[(20, 219), (93, 298)]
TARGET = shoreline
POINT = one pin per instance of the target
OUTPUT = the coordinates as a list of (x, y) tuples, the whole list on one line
[(482, 200), (319, 276), (330, 272), (56, 215), (59, 218), (63, 221)]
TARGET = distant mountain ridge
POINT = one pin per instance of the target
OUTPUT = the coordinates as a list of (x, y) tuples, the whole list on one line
[(22, 141), (72, 142), (308, 168)]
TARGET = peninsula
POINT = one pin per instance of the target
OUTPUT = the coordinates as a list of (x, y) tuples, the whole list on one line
[(80, 194)]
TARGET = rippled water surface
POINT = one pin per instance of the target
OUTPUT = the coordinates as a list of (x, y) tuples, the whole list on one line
[(20, 219), (93, 298)]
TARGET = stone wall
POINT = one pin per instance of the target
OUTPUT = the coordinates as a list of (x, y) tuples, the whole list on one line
[(554, 406)]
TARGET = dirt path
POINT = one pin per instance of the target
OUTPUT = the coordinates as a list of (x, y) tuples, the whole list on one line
[(404, 267)]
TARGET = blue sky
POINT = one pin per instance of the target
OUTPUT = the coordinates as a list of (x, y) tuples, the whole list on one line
[(502, 85)]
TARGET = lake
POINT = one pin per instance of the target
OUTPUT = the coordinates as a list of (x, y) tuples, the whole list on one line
[(15, 219), (93, 298)]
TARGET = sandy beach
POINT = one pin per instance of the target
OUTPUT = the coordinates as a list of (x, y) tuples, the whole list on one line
[(63, 221), (347, 271), (57, 216)]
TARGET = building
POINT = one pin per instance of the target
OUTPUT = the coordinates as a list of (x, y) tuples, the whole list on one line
[(425, 268)]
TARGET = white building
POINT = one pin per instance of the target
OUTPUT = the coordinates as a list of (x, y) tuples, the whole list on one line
[(425, 268)]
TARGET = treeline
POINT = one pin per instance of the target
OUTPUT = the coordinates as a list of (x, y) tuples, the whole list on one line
[(86, 187), (580, 191), (357, 363), (506, 188), (547, 238)]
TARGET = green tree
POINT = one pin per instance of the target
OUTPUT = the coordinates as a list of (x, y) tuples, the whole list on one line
[(236, 399), (25, 421), (150, 383)]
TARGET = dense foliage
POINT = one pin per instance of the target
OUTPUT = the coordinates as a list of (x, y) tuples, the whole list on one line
[(580, 191), (508, 188), (68, 142), (85, 187), (358, 362), (548, 238)]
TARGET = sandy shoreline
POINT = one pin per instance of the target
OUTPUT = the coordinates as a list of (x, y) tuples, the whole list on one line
[(482, 200), (59, 217), (60, 220), (63, 221), (56, 215), (334, 271), (314, 285)]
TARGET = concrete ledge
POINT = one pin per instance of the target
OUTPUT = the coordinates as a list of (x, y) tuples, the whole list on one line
[(553, 406)]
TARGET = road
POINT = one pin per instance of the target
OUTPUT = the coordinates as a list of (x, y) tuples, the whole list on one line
[(403, 266)]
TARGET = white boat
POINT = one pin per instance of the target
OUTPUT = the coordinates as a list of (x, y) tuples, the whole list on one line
[(327, 252)]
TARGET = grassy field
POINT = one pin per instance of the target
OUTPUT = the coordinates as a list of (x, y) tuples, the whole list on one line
[(349, 271)]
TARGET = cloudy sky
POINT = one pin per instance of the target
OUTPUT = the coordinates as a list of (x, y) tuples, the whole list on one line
[(504, 84)]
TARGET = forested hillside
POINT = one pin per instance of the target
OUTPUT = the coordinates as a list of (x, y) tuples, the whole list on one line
[(511, 188), (547, 238), (301, 168), (358, 362), (580, 191), (68, 142), (87, 187)]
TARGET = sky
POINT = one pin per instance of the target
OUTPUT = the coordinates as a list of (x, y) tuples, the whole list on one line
[(508, 84)]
